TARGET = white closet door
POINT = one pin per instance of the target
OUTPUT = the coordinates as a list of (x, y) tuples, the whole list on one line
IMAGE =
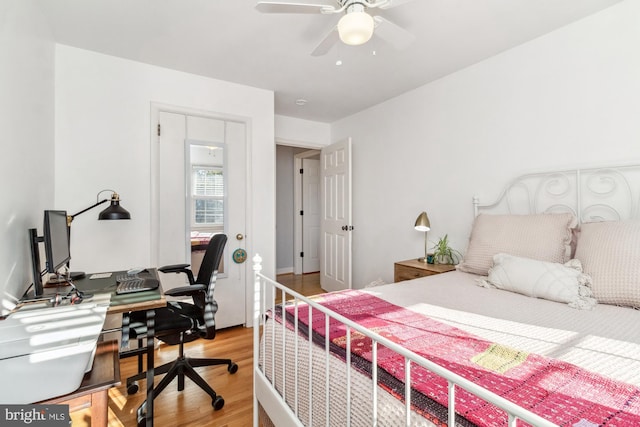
[(179, 133)]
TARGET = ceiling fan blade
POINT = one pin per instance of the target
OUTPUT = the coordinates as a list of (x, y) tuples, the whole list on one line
[(280, 7), (394, 3), (330, 39), (392, 33)]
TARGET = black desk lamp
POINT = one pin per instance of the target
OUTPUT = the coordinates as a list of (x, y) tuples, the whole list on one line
[(113, 211)]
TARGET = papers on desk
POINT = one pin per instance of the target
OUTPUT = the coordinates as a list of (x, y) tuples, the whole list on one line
[(56, 342), (100, 299)]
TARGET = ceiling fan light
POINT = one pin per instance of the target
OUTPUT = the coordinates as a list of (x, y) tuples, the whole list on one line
[(355, 28)]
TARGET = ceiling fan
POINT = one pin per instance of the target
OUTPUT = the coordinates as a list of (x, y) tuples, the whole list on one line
[(355, 26)]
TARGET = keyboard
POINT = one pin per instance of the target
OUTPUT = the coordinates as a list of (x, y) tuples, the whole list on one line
[(136, 284)]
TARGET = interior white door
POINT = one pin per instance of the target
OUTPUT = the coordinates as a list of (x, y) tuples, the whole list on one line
[(179, 133), (311, 215), (335, 222)]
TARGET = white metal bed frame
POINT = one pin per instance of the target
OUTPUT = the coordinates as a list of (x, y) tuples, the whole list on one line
[(279, 411), (609, 193), (594, 194)]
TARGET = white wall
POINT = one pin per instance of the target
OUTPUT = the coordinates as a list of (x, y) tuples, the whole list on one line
[(26, 120), (103, 137), (301, 133), (569, 98)]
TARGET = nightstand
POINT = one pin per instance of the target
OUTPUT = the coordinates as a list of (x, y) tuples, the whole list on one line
[(412, 269)]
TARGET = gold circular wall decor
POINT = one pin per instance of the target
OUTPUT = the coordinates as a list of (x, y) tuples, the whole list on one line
[(239, 256)]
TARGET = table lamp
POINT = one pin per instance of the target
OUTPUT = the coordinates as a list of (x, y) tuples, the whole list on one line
[(113, 211), (423, 224)]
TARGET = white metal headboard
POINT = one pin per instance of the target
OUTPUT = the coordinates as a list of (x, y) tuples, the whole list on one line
[(593, 194)]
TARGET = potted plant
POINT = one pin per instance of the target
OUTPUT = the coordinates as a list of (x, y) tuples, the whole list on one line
[(445, 254)]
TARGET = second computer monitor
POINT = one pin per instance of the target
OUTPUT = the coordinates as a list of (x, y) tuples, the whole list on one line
[(56, 240)]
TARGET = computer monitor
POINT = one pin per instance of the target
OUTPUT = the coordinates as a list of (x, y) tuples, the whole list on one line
[(56, 245), (34, 240), (56, 240)]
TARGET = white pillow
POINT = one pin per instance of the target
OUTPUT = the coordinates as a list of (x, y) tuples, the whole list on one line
[(545, 237), (610, 254), (547, 280)]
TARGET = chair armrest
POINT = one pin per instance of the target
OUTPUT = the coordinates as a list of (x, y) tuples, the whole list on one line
[(179, 268), (175, 268), (185, 290)]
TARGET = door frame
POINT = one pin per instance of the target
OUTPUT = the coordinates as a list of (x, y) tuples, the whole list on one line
[(297, 203), (298, 243)]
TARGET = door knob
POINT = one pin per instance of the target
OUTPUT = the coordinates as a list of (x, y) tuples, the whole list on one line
[(239, 236)]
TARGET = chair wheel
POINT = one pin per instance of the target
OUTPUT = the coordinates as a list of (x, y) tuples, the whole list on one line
[(141, 415), (132, 388), (217, 403), (232, 368)]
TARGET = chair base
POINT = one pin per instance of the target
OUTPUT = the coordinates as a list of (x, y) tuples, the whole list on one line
[(180, 368)]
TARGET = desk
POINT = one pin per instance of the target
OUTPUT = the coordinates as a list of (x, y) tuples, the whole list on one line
[(93, 391), (139, 301)]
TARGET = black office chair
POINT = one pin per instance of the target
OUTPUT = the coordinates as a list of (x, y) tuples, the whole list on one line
[(181, 322)]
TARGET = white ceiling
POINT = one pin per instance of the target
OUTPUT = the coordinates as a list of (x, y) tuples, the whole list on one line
[(230, 40)]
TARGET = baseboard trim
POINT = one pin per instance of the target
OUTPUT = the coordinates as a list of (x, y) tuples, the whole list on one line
[(286, 270)]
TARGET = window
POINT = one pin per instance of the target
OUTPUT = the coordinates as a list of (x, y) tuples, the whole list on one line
[(207, 198)]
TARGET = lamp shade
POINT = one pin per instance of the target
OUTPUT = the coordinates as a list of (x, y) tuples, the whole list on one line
[(422, 222), (355, 28), (115, 211)]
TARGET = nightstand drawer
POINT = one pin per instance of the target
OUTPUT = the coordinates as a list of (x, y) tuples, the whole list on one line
[(413, 269), (402, 272)]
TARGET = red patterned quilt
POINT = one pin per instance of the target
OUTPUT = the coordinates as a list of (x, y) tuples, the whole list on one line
[(558, 391)]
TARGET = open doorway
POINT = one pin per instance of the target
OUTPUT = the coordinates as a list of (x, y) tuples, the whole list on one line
[(297, 210)]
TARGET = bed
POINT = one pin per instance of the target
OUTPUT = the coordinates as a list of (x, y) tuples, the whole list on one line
[(520, 334)]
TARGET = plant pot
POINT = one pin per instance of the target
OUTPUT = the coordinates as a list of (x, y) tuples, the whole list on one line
[(442, 259)]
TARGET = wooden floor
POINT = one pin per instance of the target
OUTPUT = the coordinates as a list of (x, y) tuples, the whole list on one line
[(192, 406), (305, 284)]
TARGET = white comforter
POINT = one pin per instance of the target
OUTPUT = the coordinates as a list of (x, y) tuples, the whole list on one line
[(605, 340)]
